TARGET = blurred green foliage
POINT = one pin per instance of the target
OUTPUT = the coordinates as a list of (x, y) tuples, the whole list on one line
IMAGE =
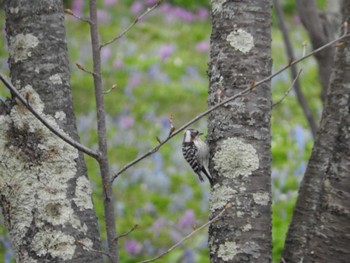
[(159, 68)]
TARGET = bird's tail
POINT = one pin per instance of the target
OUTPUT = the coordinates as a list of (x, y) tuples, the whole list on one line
[(208, 175), (200, 176)]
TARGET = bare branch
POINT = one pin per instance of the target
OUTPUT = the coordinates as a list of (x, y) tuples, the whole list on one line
[(102, 138), (128, 232), (149, 10), (300, 96), (83, 69), (287, 92), (60, 134), (320, 32), (239, 94), (70, 12), (80, 243), (109, 90), (189, 235)]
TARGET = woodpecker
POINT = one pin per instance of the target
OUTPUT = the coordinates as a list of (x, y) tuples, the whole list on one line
[(196, 153)]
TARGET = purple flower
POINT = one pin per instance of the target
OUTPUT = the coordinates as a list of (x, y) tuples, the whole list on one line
[(134, 80), (109, 2), (165, 51), (132, 247), (136, 8), (118, 63), (158, 226), (126, 122), (103, 16), (150, 2), (106, 53), (187, 220), (77, 7), (189, 256), (166, 8), (202, 13), (155, 73), (183, 14), (202, 46)]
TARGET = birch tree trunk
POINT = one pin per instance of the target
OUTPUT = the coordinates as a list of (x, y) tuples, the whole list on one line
[(239, 132), (44, 190), (319, 231)]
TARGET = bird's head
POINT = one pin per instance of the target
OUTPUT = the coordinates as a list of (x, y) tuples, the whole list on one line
[(190, 135)]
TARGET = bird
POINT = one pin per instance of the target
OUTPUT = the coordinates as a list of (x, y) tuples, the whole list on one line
[(196, 153)]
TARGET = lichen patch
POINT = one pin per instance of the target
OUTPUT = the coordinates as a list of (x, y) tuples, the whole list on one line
[(82, 194), (217, 5), (236, 158), (54, 243), (261, 198), (21, 46), (228, 251), (241, 40), (56, 79), (60, 115), (220, 196)]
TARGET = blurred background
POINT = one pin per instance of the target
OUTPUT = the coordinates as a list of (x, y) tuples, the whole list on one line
[(159, 68)]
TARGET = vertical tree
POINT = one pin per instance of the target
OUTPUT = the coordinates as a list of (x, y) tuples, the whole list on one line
[(320, 33), (45, 192), (319, 231), (239, 132)]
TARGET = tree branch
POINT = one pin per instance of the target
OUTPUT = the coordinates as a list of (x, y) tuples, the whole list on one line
[(102, 138), (58, 133), (70, 12), (245, 91), (80, 243), (128, 232), (189, 235), (287, 92), (297, 87), (149, 10), (319, 32)]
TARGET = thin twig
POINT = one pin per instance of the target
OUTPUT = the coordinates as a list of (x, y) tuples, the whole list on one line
[(70, 12), (149, 10), (290, 88), (109, 90), (83, 69), (57, 132), (80, 243), (239, 94), (128, 232), (188, 236)]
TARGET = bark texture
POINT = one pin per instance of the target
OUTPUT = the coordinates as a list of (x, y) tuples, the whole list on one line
[(239, 132), (319, 231), (44, 190)]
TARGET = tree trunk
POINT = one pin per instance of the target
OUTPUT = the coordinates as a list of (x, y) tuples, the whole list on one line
[(319, 231), (320, 33), (239, 132), (44, 190)]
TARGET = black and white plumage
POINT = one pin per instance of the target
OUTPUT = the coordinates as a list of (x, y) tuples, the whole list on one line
[(196, 153)]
